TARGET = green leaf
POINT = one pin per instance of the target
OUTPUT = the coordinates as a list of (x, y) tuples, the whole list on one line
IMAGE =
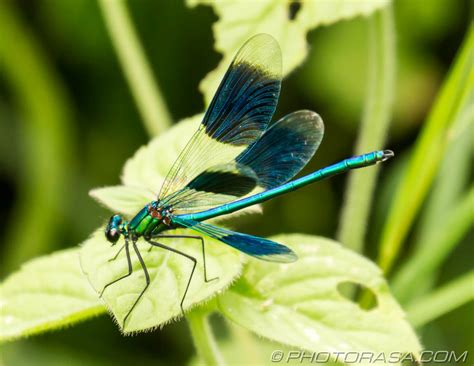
[(446, 217), (145, 172), (203, 338), (238, 22), (150, 164), (441, 301), (427, 259), (123, 199), (245, 348), (46, 293), (456, 93), (169, 274), (299, 304)]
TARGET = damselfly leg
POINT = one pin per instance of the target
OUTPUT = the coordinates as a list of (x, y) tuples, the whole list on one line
[(191, 258), (145, 270), (196, 237), (129, 262), (147, 279), (117, 254)]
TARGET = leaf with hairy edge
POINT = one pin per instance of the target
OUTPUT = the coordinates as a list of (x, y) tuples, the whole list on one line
[(49, 292), (145, 172), (124, 200), (150, 164), (299, 304), (169, 274), (238, 22)]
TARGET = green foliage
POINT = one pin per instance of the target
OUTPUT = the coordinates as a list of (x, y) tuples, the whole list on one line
[(46, 293), (169, 274), (373, 129), (443, 300), (446, 218), (238, 22), (146, 92), (145, 172), (433, 251), (299, 304), (245, 348), (45, 124), (206, 345), (338, 61), (125, 200), (451, 103), (148, 167)]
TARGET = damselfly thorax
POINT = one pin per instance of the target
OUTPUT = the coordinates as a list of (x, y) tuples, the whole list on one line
[(148, 222)]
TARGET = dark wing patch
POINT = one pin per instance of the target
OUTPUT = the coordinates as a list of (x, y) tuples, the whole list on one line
[(280, 153), (215, 186), (231, 182), (244, 104), (284, 149)]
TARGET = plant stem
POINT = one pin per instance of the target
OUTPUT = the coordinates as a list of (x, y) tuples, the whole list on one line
[(447, 191), (429, 251), (427, 154), (375, 123), (447, 298), (137, 70), (442, 241), (203, 338), (45, 129)]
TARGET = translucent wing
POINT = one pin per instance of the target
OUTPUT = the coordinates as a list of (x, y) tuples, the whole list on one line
[(252, 245), (278, 155), (237, 116), (214, 186), (284, 149)]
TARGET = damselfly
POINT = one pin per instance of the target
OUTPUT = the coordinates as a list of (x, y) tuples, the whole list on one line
[(235, 159)]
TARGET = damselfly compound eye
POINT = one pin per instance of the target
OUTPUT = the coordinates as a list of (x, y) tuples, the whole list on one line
[(112, 231)]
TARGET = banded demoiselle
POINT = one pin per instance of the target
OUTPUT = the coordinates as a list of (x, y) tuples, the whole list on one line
[(235, 159)]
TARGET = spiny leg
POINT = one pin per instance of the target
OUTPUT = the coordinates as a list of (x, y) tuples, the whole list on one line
[(117, 254), (129, 262), (147, 279), (202, 248), (156, 244)]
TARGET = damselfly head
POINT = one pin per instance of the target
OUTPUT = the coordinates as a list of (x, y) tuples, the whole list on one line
[(112, 230)]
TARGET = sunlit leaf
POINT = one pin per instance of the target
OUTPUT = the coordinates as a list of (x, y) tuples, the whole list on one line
[(46, 293), (145, 172), (238, 22), (124, 200), (169, 274), (150, 164), (299, 304)]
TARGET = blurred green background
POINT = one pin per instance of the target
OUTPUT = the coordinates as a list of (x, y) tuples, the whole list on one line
[(71, 130)]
